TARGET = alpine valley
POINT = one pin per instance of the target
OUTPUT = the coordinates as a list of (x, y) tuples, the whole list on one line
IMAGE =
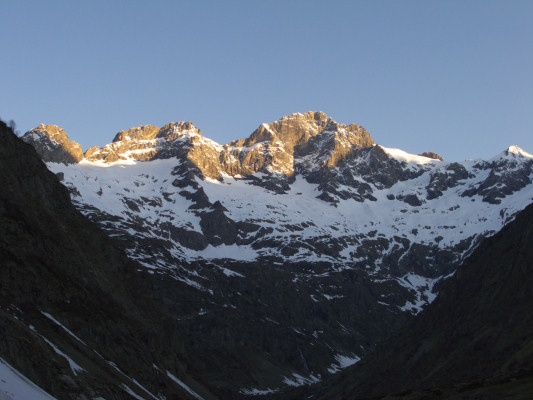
[(275, 261)]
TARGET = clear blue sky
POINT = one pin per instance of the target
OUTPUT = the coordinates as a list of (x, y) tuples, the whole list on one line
[(454, 77)]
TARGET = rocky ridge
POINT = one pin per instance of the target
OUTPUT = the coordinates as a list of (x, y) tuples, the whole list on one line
[(306, 242), (270, 149)]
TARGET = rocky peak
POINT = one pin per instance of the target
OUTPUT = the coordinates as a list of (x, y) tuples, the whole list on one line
[(430, 154), (169, 132), (272, 148), (313, 139), (290, 130), (296, 129), (173, 130), (144, 143), (53, 132), (143, 132), (53, 145)]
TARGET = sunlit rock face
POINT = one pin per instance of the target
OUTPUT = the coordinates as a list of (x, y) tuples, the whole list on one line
[(430, 154), (53, 145), (311, 138)]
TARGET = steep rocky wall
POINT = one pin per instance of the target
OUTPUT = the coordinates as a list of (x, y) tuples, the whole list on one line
[(78, 319)]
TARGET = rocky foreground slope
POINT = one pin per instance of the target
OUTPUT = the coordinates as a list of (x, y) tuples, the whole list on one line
[(76, 316), (475, 341), (304, 244)]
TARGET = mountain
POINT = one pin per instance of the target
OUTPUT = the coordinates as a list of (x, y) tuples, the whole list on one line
[(77, 317), (301, 246), (474, 341)]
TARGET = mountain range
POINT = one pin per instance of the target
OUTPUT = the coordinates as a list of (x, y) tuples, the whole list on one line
[(285, 257)]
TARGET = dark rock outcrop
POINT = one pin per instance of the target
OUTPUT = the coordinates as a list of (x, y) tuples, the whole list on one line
[(444, 179)]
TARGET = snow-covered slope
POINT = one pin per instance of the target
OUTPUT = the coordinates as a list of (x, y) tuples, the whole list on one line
[(294, 226), (15, 386), (344, 223)]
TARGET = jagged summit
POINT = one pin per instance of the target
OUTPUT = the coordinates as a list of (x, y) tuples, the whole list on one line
[(277, 147), (297, 129), (53, 145), (143, 132), (342, 159), (145, 143), (149, 132)]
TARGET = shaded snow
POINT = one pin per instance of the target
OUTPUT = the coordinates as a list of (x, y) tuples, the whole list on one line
[(73, 365), (235, 252), (128, 390), (62, 326), (299, 380), (184, 386), (343, 361), (15, 386), (423, 288), (296, 218), (134, 381), (258, 392)]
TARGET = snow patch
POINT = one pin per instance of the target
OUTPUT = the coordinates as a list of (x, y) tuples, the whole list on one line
[(229, 272), (424, 292), (62, 326), (299, 380), (233, 251), (184, 386), (409, 158), (343, 362), (128, 390), (258, 392)]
